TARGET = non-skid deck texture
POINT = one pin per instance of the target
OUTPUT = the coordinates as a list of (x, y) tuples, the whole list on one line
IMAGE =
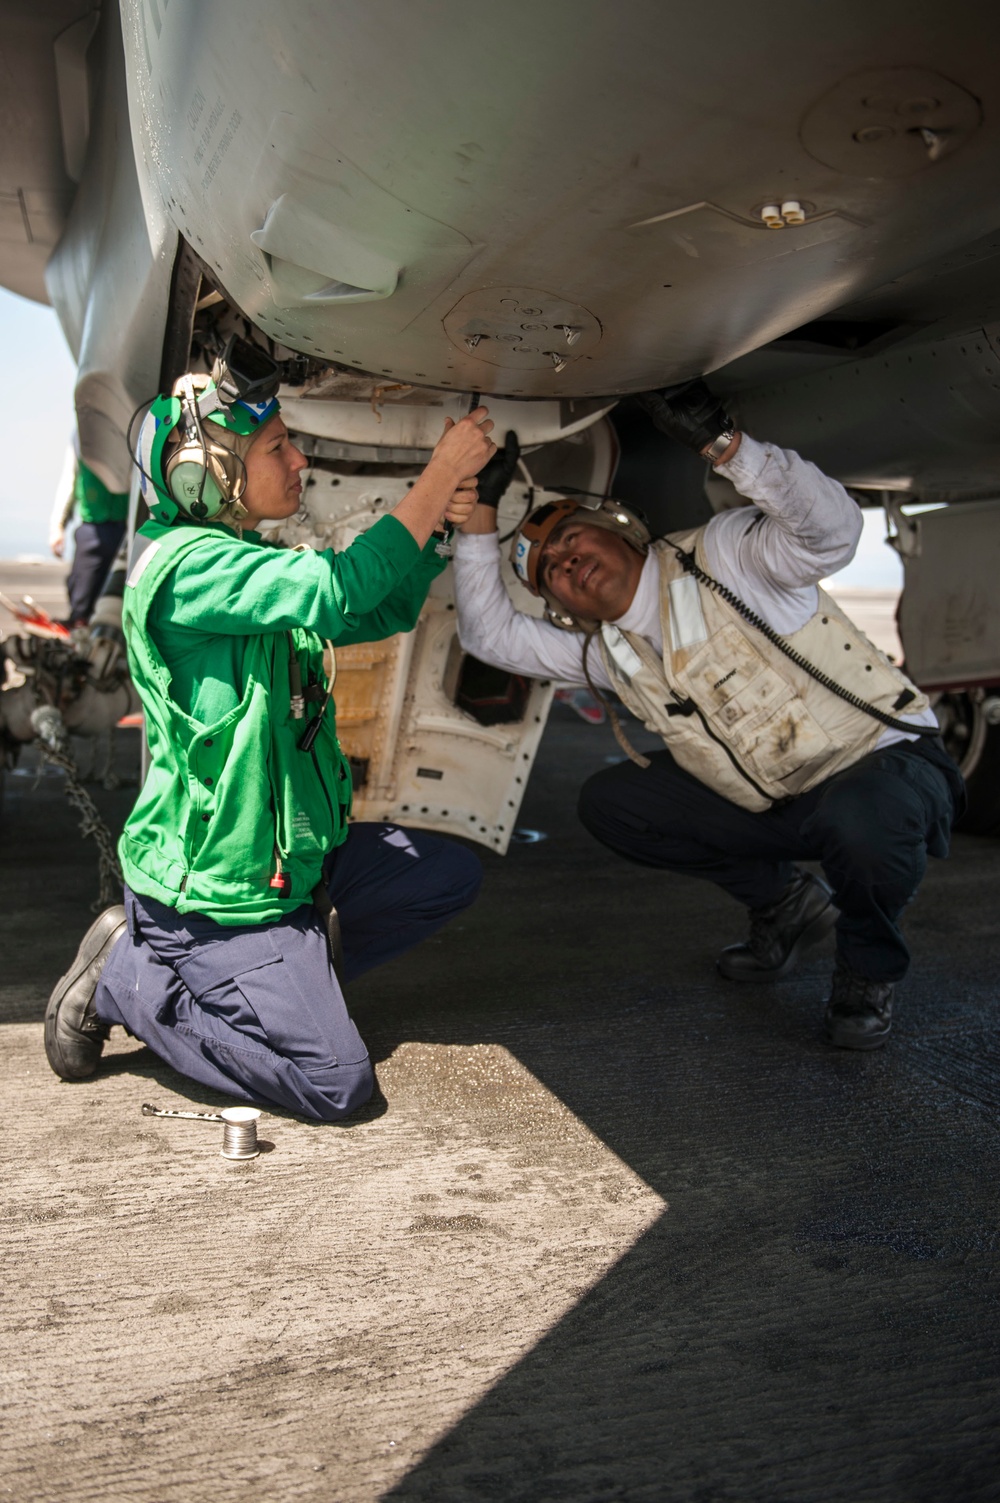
[(621, 1230)]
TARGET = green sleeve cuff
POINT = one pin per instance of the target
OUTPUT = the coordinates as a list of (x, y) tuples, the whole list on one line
[(433, 561)]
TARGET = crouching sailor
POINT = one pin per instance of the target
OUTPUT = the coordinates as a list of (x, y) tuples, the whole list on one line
[(786, 735), (238, 859)]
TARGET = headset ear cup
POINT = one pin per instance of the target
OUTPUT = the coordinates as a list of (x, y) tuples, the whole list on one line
[(203, 481), (195, 489)]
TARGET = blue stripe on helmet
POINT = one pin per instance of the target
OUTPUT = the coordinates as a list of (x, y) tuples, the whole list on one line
[(259, 411)]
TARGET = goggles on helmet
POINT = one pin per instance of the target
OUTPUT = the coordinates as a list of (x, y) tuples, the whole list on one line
[(247, 379)]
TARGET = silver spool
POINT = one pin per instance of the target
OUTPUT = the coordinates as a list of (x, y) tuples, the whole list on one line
[(239, 1132)]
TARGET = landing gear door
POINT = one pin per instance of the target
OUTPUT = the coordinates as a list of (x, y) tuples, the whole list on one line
[(436, 739)]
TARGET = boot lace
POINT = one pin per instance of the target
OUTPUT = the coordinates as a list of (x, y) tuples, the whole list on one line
[(852, 993)]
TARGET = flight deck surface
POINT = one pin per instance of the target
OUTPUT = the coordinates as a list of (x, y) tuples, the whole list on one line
[(616, 1229)]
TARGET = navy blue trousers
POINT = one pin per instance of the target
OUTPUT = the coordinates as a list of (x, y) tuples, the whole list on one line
[(256, 1011), (871, 828), (94, 547)]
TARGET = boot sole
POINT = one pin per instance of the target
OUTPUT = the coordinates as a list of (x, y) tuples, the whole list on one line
[(873, 1041), (813, 934), (102, 935)]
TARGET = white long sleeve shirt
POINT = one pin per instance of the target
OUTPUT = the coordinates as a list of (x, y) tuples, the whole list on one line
[(64, 501), (802, 528)]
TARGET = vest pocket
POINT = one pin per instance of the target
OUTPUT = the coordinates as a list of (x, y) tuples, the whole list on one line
[(721, 670), (756, 711), (786, 744)]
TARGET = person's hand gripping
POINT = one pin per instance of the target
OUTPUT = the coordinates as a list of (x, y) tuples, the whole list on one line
[(466, 447), (689, 413)]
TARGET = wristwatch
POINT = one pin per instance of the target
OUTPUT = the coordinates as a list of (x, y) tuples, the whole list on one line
[(718, 446)]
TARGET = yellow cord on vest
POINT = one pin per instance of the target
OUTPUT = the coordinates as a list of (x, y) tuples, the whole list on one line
[(620, 736)]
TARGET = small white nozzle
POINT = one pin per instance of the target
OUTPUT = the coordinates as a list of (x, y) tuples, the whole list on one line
[(771, 216), (792, 212)]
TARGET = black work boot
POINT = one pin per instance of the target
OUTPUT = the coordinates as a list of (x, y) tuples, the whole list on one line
[(859, 1011), (74, 1034), (781, 932)]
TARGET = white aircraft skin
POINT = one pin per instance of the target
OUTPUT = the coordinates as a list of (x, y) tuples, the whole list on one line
[(562, 200), (559, 199)]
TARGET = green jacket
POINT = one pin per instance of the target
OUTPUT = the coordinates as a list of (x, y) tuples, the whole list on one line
[(229, 794), (94, 502)]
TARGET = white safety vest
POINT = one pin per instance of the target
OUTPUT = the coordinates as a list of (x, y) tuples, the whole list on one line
[(732, 709)]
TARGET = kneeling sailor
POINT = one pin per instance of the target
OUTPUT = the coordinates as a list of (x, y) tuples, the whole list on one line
[(238, 848)]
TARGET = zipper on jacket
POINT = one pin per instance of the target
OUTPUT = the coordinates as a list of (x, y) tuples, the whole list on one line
[(322, 784), (729, 753)]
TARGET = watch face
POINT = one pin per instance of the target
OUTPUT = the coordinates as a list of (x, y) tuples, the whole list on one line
[(719, 445)]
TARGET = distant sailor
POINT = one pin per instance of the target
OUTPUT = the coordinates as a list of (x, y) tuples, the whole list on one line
[(239, 862), (101, 514), (787, 736)]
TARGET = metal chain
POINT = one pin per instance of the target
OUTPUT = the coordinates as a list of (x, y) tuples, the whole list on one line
[(91, 823)]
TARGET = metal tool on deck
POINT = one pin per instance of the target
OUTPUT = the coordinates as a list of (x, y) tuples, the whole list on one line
[(239, 1127)]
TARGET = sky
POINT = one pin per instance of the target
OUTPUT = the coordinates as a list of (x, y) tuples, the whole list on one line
[(36, 417)]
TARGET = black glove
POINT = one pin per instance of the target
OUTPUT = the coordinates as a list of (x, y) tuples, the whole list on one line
[(497, 473), (689, 412)]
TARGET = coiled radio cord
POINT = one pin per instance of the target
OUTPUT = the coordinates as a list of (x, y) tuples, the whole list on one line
[(854, 700)]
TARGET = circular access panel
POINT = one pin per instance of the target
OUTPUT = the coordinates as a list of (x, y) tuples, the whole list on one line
[(521, 328), (889, 124)]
